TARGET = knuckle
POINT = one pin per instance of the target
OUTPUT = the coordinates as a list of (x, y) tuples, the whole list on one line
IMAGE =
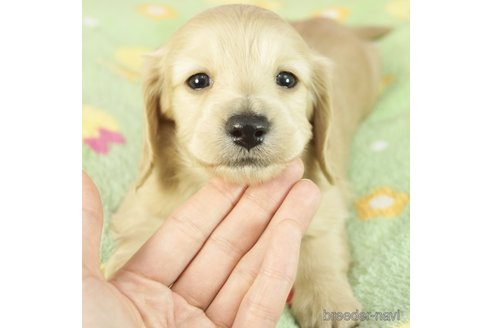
[(278, 275), (261, 311), (248, 275), (227, 246), (189, 228)]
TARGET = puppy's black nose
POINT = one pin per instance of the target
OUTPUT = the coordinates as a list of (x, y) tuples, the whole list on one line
[(247, 130)]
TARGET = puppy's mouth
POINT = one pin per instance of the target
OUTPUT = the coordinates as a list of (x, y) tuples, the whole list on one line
[(238, 163), (246, 161), (245, 169)]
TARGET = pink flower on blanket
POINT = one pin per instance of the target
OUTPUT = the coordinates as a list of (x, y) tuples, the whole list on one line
[(99, 130)]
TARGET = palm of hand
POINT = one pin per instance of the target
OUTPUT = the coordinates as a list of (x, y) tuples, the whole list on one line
[(237, 271), (152, 305)]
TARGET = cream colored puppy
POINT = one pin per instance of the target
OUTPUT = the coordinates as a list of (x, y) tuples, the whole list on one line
[(237, 93)]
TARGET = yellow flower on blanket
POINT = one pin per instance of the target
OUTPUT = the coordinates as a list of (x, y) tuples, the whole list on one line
[(156, 11), (128, 62), (132, 57), (381, 202), (339, 14)]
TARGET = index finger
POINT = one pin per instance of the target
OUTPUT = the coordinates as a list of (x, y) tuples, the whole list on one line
[(167, 253)]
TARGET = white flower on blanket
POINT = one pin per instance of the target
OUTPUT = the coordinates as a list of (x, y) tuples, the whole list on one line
[(381, 202)]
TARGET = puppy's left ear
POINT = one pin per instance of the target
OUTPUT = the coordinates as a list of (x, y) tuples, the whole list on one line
[(322, 113)]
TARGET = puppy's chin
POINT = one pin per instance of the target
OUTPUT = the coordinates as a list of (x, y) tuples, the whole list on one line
[(248, 174)]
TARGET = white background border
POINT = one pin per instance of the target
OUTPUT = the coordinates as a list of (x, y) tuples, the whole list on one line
[(451, 163), (40, 165)]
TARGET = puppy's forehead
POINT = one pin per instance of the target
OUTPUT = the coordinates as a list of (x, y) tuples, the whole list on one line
[(238, 36)]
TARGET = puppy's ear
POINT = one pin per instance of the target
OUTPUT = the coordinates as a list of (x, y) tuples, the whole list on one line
[(153, 87), (322, 113), (371, 33)]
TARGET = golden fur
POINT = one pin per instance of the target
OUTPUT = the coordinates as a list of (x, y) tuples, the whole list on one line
[(242, 48)]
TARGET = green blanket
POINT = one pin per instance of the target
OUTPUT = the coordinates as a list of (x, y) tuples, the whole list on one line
[(116, 33)]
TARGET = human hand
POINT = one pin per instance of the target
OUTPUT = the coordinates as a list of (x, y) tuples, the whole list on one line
[(227, 257)]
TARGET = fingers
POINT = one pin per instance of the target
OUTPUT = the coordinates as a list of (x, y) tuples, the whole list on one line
[(300, 205), (264, 302), (167, 253), (92, 221), (239, 231)]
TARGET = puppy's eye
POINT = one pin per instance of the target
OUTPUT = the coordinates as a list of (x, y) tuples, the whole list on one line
[(198, 81), (286, 79)]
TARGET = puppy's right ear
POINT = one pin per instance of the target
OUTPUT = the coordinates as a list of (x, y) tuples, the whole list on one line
[(153, 87), (323, 113)]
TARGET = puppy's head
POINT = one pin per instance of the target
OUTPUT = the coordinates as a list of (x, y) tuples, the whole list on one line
[(244, 91)]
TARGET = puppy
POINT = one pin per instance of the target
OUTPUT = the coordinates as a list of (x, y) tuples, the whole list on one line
[(238, 93)]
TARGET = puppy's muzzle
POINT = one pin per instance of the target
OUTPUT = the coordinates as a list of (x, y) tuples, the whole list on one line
[(247, 130)]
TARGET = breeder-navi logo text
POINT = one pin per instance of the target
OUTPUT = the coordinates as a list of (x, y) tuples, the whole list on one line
[(361, 316)]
